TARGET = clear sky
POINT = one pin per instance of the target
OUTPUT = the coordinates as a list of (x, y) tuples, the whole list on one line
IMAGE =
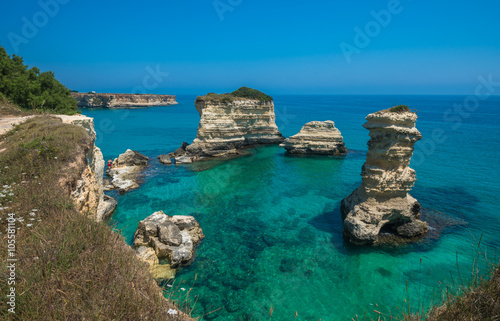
[(279, 47)]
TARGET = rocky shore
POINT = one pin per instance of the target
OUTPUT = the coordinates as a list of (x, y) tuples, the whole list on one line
[(126, 171), (229, 123), (316, 138), (102, 100), (382, 203)]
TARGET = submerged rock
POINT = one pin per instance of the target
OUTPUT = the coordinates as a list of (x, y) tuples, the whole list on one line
[(228, 124), (382, 202), (316, 138), (173, 238), (126, 171)]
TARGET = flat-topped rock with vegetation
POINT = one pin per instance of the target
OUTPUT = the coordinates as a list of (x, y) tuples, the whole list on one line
[(229, 123)]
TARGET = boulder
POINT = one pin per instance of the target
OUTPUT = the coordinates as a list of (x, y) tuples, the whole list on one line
[(126, 171), (171, 238), (106, 207), (130, 158), (169, 233)]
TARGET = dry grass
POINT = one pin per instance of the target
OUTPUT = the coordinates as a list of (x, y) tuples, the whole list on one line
[(69, 267), (9, 109), (481, 303)]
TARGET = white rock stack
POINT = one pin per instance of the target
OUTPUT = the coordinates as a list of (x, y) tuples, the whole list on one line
[(226, 127), (316, 138), (382, 200)]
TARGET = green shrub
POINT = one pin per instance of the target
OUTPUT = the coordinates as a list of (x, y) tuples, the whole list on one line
[(31, 89), (243, 92), (400, 109)]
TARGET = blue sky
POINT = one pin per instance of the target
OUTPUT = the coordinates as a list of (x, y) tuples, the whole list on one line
[(279, 47)]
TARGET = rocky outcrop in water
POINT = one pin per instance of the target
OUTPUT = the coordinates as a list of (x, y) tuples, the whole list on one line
[(173, 238), (316, 138), (126, 170), (97, 100), (382, 203), (87, 191), (231, 122)]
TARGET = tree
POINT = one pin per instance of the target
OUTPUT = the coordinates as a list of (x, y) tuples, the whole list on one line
[(32, 89)]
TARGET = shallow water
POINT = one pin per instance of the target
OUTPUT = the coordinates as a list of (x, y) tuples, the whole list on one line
[(272, 222)]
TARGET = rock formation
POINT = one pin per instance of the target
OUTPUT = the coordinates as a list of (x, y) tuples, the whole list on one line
[(316, 138), (87, 192), (231, 122), (126, 170), (173, 238), (382, 202), (93, 100)]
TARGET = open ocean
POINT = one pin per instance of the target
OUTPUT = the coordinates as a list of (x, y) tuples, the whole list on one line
[(272, 222)]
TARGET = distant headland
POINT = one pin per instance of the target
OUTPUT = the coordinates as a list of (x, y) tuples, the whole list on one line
[(106, 100)]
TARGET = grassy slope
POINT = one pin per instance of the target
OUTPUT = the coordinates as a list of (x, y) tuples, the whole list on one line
[(8, 109), (69, 267)]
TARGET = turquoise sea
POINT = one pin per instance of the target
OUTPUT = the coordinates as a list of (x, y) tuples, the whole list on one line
[(272, 222)]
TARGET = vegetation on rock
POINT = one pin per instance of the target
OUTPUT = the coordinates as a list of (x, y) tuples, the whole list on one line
[(243, 92), (31, 89), (399, 109)]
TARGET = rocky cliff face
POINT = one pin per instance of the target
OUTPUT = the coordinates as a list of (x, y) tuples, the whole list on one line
[(316, 138), (88, 192), (382, 201), (122, 100), (228, 126)]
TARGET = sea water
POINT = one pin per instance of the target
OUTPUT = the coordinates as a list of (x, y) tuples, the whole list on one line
[(272, 221)]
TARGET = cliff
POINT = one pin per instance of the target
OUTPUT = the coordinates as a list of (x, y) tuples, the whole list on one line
[(316, 138), (88, 193), (382, 201), (93, 273), (122, 100)]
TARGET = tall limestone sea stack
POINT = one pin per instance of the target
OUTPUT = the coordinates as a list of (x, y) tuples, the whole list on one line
[(382, 202), (229, 123)]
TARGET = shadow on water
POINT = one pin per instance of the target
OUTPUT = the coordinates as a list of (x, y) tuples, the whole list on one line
[(456, 195)]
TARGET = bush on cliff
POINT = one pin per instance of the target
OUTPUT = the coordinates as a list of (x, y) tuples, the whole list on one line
[(399, 109), (31, 89), (68, 266), (243, 92)]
